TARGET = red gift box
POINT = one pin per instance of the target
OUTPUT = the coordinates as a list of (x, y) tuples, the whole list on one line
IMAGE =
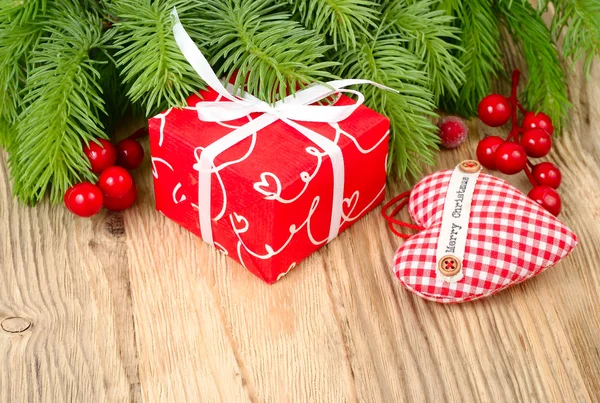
[(255, 183), (271, 194)]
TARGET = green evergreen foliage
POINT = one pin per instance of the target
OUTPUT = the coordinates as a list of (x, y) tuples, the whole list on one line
[(579, 20), (382, 59), (430, 35), (152, 67), (6, 132), (22, 12), (546, 88), (342, 21), (269, 51), (480, 52), (62, 105), (16, 43), (114, 93), (70, 69)]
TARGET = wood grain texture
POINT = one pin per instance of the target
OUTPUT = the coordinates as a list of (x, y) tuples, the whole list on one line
[(131, 307), (66, 315)]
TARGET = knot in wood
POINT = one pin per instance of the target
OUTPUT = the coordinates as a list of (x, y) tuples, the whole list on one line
[(114, 225), (15, 324)]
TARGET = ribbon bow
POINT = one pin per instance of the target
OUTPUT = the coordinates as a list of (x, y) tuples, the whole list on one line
[(297, 107)]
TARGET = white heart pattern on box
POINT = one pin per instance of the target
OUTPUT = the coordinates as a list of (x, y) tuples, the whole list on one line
[(510, 239)]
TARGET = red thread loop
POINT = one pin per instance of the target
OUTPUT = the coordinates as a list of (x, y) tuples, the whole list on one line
[(403, 199)]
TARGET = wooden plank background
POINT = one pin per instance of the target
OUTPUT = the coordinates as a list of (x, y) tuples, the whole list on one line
[(130, 307)]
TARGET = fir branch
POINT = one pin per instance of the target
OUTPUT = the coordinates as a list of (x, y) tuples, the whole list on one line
[(16, 41), (22, 12), (6, 132), (267, 52), (114, 96), (58, 70), (384, 59), (152, 66), (580, 22), (508, 3), (480, 37), (546, 88), (342, 21), (450, 7), (25, 11), (63, 102), (431, 36)]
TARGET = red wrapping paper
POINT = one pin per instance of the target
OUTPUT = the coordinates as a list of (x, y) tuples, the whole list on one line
[(271, 193)]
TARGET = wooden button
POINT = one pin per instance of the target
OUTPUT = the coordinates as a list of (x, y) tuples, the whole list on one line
[(470, 166), (449, 265)]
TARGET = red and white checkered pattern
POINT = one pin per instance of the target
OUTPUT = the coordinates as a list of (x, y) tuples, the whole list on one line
[(510, 239)]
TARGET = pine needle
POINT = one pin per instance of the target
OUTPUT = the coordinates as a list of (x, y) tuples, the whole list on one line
[(16, 41), (6, 132), (63, 102), (342, 21), (256, 41), (114, 94), (152, 67), (384, 59), (22, 12), (431, 36), (69, 69), (480, 55), (546, 88), (579, 20)]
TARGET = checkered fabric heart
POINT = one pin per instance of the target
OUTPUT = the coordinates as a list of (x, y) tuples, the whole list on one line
[(510, 239)]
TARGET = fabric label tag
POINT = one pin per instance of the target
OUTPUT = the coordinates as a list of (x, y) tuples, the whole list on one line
[(455, 221)]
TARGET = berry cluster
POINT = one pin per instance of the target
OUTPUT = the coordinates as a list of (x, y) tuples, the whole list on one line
[(115, 188), (530, 139)]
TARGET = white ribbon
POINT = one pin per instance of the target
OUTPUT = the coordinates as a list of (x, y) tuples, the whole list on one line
[(293, 108), (455, 219)]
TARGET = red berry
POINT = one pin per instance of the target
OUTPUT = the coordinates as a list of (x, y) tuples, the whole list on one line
[(537, 121), (130, 154), (453, 131), (536, 142), (123, 202), (510, 158), (546, 173), (494, 110), (84, 199), (115, 182), (546, 197), (486, 151), (66, 197), (101, 155)]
